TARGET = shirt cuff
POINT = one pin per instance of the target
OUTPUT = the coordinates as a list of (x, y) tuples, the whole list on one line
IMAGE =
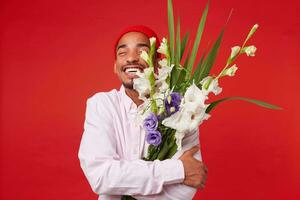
[(172, 171)]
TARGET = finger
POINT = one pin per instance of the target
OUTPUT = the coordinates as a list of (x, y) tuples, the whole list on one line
[(201, 186), (204, 179), (193, 150), (205, 168)]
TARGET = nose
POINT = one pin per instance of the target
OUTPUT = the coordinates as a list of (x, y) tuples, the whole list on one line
[(133, 57)]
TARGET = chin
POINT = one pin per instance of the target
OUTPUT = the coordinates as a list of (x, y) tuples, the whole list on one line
[(128, 85)]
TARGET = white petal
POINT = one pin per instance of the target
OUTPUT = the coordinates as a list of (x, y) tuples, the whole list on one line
[(144, 55), (163, 47), (163, 62), (250, 51), (234, 51), (142, 86), (209, 84), (231, 71), (152, 40), (194, 94)]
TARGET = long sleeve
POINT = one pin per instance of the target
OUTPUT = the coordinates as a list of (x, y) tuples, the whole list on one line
[(178, 191), (106, 172)]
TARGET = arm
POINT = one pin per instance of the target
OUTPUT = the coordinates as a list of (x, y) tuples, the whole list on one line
[(178, 191), (106, 172)]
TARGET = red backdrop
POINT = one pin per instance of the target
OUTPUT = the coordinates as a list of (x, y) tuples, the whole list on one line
[(55, 54)]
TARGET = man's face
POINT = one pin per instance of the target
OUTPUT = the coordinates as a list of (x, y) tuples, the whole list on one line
[(128, 60)]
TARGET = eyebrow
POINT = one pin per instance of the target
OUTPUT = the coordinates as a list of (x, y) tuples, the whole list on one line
[(138, 45)]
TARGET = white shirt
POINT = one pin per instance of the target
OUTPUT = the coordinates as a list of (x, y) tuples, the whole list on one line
[(111, 151)]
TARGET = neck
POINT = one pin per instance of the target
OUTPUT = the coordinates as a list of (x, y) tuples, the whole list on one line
[(134, 95)]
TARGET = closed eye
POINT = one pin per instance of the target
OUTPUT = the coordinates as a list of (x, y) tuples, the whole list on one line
[(121, 53)]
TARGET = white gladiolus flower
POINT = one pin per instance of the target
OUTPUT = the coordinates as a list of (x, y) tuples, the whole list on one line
[(231, 71), (152, 40), (164, 72), (209, 84), (250, 51), (190, 115), (144, 55), (163, 62), (186, 120), (162, 86), (142, 84), (143, 87), (234, 51), (159, 99), (194, 95), (163, 48)]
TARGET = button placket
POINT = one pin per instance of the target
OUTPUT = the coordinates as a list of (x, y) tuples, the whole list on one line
[(135, 133)]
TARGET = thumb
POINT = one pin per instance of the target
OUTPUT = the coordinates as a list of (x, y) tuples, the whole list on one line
[(193, 150)]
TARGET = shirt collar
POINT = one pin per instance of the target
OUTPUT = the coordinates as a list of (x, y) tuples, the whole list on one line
[(129, 104)]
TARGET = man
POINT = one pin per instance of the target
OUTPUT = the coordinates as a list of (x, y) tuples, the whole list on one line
[(112, 145)]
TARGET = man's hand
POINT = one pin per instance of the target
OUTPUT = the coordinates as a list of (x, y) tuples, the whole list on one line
[(194, 170)]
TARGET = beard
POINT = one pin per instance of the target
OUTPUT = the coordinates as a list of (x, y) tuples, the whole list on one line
[(128, 85)]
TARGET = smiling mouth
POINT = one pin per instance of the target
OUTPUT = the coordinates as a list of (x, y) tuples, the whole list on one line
[(133, 70)]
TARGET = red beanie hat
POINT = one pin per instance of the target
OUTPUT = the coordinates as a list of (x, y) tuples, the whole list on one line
[(138, 28)]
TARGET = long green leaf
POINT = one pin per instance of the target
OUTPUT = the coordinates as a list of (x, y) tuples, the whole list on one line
[(171, 29), (198, 69), (175, 75), (197, 40), (178, 43), (183, 44), (257, 102), (176, 71), (210, 59), (182, 75)]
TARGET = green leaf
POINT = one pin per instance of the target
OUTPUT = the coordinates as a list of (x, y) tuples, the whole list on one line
[(197, 40), (178, 47), (176, 71), (186, 60), (198, 69), (183, 44), (183, 73), (257, 102), (210, 59), (171, 29)]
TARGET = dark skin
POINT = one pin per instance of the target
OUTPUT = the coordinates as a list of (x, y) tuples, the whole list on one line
[(128, 53)]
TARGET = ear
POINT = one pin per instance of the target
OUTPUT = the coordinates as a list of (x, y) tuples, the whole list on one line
[(115, 67)]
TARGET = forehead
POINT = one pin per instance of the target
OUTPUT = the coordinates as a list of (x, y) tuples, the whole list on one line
[(132, 38)]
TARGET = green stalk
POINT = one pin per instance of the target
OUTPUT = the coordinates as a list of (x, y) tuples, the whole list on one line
[(171, 29)]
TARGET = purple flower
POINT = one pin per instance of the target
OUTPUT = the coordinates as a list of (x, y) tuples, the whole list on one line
[(172, 103), (153, 137), (151, 123)]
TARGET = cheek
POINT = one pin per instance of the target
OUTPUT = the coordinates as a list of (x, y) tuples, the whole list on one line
[(119, 65)]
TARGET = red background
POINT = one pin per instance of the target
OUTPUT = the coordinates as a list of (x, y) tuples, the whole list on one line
[(55, 54)]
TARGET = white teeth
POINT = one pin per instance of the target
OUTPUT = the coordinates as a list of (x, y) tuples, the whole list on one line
[(132, 70)]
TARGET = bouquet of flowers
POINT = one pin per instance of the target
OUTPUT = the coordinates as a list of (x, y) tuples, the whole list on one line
[(175, 95)]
